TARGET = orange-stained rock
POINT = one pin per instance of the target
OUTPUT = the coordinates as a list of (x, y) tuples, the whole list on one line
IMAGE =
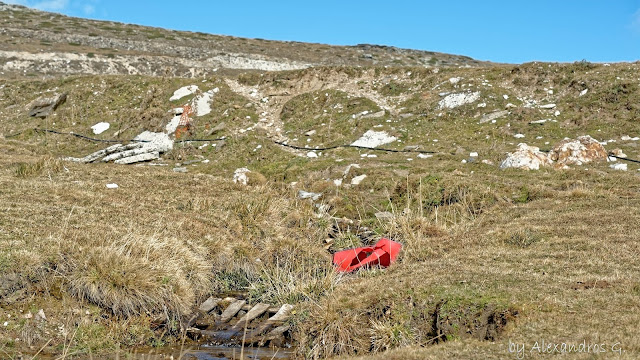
[(582, 150)]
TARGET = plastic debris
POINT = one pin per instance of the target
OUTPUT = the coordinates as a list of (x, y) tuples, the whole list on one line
[(383, 253)]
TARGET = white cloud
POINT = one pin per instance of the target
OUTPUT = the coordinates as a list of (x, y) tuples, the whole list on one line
[(47, 5)]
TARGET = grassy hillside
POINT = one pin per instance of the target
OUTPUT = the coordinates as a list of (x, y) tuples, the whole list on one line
[(490, 256)]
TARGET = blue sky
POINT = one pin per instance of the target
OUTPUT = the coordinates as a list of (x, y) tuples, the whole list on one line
[(502, 31)]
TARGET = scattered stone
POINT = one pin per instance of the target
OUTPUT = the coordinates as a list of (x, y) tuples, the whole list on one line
[(312, 155), (493, 116), (526, 157), (232, 310), (358, 179), (41, 316), (487, 162), (542, 121), (584, 92), (308, 195), (577, 152), (374, 115), (209, 304), (180, 169), (337, 182), (310, 133), (184, 91), (100, 127), (44, 106), (155, 141), (547, 106), (618, 153), (452, 101), (473, 154), (348, 169), (424, 156), (112, 186), (148, 156), (217, 128), (372, 139), (620, 166), (518, 136), (255, 311), (240, 176)]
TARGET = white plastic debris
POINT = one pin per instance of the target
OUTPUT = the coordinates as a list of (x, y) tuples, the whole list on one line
[(100, 127), (184, 91), (358, 179)]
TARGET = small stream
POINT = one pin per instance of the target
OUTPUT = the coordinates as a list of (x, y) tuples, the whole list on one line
[(213, 352)]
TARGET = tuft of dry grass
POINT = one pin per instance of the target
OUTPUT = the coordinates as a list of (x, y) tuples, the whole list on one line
[(46, 165)]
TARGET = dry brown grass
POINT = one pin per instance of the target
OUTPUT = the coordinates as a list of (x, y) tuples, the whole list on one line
[(478, 242)]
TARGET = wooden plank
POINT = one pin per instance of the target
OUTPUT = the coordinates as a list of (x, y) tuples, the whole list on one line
[(232, 310), (255, 311), (275, 334), (281, 316), (209, 305)]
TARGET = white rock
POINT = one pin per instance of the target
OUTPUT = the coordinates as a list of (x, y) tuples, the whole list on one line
[(337, 182), (202, 103), (454, 80), (620, 166), (240, 176), (557, 113), (518, 136), (584, 92), (372, 139), (41, 314), (308, 195), (154, 141), (100, 127), (312, 155), (173, 124), (526, 157), (473, 154), (5, 324), (454, 100), (548, 106), (506, 97), (310, 133), (138, 158), (424, 156), (482, 105), (112, 186), (184, 91), (358, 179), (348, 169)]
